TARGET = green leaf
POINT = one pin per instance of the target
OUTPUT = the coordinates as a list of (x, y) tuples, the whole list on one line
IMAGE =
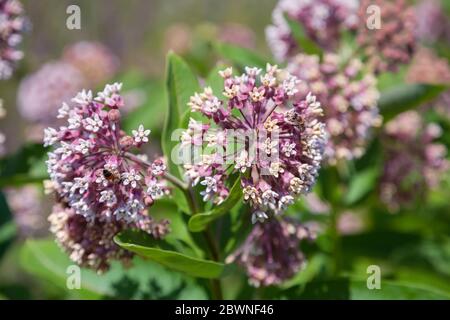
[(360, 185), (25, 166), (143, 280), (408, 96), (302, 39), (147, 247), (7, 226), (199, 221), (241, 57), (181, 84), (149, 114)]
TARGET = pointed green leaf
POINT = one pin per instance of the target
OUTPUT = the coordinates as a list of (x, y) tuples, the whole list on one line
[(143, 280), (199, 221), (241, 57), (181, 84), (304, 42), (147, 247), (360, 185), (407, 96)]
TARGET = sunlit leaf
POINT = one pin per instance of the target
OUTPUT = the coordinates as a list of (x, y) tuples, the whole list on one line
[(147, 247), (199, 221)]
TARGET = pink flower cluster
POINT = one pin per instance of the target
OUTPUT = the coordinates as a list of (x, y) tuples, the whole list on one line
[(93, 170), (40, 94), (393, 43), (12, 24), (323, 20), (102, 188), (95, 61), (414, 162), (351, 98), (260, 131), (270, 254)]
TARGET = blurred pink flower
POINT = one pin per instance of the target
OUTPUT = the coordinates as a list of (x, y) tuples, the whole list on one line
[(414, 163), (96, 62), (350, 97), (323, 20), (42, 93), (12, 24), (270, 254), (393, 43)]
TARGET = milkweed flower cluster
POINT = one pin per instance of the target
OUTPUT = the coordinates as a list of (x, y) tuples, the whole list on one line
[(95, 61), (393, 43), (40, 94), (323, 20), (279, 140), (432, 23), (351, 98), (270, 254), (28, 210), (414, 162), (93, 171), (89, 245), (12, 24), (428, 68)]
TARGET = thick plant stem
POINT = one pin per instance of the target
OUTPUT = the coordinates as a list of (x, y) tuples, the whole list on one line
[(336, 241), (216, 287)]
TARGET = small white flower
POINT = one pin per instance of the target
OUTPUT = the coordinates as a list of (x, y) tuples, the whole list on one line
[(141, 135), (80, 184), (259, 216), (108, 197), (83, 146), (63, 111), (210, 183), (290, 85), (289, 149), (93, 124), (158, 168), (269, 198), (50, 136), (83, 98), (275, 169), (74, 121), (131, 178), (284, 202), (155, 190), (242, 162), (270, 146)]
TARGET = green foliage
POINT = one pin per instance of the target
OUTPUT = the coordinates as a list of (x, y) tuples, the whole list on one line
[(303, 41), (241, 57), (25, 166), (164, 254), (144, 280), (407, 96), (199, 221)]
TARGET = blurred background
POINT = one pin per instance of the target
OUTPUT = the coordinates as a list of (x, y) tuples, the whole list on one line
[(127, 42)]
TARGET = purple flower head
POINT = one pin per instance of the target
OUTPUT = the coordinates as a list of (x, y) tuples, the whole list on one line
[(414, 162), (322, 20), (260, 131), (2, 136), (350, 97), (393, 43), (92, 167), (12, 24), (90, 244), (41, 93), (28, 208), (270, 254), (432, 23), (95, 61)]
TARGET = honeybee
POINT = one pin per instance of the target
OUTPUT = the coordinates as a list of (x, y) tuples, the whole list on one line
[(111, 176)]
